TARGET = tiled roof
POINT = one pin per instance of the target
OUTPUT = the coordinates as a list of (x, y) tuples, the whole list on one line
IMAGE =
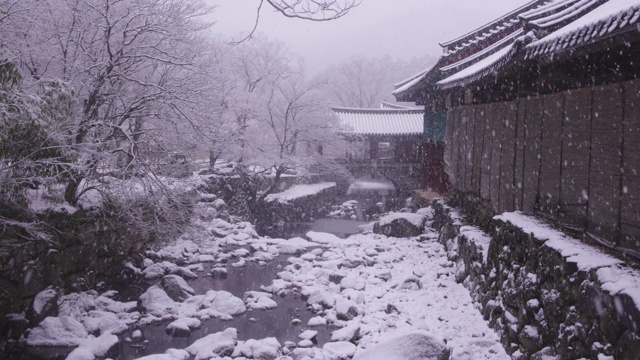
[(396, 106), (478, 70), (614, 16), (547, 27), (487, 39), (381, 122), (496, 26)]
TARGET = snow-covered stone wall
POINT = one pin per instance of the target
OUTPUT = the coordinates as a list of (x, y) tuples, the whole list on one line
[(543, 291)]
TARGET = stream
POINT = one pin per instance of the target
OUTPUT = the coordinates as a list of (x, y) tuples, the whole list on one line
[(253, 324)]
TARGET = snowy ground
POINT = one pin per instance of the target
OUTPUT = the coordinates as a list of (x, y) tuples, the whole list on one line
[(367, 289)]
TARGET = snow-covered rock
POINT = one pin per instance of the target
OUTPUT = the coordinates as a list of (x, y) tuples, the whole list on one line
[(44, 304), (324, 238), (214, 345), (346, 309), (176, 287), (265, 349), (170, 354), (308, 335), (95, 347), (317, 321), (348, 333), (339, 350), (156, 302), (153, 272), (415, 345), (322, 298), (223, 302), (57, 331), (182, 327), (257, 300), (400, 225)]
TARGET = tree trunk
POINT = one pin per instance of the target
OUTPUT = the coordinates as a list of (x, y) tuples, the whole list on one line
[(213, 157), (71, 191)]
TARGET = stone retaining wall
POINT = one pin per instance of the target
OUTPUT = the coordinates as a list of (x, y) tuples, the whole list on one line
[(544, 292), (85, 251)]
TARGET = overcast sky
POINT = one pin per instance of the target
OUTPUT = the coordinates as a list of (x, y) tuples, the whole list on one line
[(400, 28)]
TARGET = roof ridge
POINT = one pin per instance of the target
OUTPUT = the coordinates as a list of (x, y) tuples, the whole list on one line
[(373, 110), (492, 23)]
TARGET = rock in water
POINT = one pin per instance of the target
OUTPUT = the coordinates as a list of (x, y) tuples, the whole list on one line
[(177, 288), (214, 345), (410, 346)]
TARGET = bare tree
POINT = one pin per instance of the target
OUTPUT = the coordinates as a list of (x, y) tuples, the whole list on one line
[(365, 82), (135, 69), (282, 121), (312, 10), (142, 82)]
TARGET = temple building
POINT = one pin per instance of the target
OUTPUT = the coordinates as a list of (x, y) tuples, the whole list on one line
[(386, 142), (539, 111)]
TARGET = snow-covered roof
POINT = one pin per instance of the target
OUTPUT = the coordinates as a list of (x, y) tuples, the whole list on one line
[(479, 69), (611, 17), (396, 106), (491, 29), (405, 84), (477, 45), (542, 28), (381, 122)]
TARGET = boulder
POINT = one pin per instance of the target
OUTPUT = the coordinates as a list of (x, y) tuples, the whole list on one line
[(176, 287), (339, 350), (348, 333), (214, 345), (43, 305), (346, 309), (182, 327), (57, 331), (410, 346), (265, 349), (156, 302), (400, 225)]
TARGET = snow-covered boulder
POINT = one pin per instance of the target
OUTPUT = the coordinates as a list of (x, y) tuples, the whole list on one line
[(339, 350), (265, 349), (156, 302), (153, 272), (170, 354), (322, 298), (308, 335), (223, 302), (410, 346), (400, 225), (258, 300), (44, 304), (182, 327), (100, 322), (348, 333), (57, 331), (214, 345), (92, 347), (346, 309), (176, 287)]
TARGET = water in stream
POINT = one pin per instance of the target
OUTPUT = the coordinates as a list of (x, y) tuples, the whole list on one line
[(256, 324)]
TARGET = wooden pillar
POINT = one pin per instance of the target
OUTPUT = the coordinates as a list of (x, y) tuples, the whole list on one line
[(373, 149)]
